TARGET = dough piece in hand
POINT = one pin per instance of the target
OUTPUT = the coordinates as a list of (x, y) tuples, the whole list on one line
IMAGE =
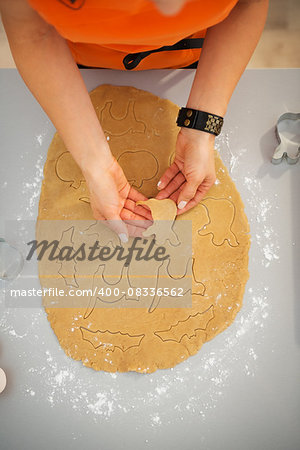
[(161, 210)]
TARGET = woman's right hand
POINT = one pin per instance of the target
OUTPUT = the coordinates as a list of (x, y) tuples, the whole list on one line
[(114, 200)]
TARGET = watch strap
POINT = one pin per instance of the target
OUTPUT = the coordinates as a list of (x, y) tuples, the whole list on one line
[(200, 120)]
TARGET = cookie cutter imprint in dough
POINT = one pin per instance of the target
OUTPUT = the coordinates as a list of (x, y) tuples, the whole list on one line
[(134, 176), (118, 126), (176, 333), (98, 339), (68, 171), (214, 227)]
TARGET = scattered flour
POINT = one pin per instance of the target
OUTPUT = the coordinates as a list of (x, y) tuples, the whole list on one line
[(258, 201), (32, 188)]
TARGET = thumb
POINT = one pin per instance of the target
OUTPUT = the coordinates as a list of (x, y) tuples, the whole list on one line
[(187, 193), (116, 224)]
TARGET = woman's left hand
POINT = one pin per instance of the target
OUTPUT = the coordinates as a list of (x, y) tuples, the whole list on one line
[(192, 173)]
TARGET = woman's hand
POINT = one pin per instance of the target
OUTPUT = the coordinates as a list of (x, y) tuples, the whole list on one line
[(114, 200), (192, 173)]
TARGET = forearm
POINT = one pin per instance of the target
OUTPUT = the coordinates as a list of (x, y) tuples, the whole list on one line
[(48, 69), (227, 49)]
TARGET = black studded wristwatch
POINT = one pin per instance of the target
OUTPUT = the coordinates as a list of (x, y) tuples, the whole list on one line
[(200, 120)]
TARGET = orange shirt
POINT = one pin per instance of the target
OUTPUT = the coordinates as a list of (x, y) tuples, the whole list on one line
[(101, 33)]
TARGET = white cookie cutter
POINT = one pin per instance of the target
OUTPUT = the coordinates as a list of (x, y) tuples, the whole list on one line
[(11, 261), (2, 380), (288, 135)]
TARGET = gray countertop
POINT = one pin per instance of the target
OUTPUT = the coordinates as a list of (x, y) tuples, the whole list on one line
[(242, 389)]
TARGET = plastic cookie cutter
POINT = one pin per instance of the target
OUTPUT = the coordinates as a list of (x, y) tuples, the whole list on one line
[(11, 261), (288, 135), (2, 380)]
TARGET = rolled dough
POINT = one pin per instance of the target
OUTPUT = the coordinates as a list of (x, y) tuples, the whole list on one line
[(142, 134)]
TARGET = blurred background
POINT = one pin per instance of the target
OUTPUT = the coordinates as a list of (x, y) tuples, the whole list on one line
[(279, 45)]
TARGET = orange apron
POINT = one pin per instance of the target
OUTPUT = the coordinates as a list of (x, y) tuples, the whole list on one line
[(132, 34)]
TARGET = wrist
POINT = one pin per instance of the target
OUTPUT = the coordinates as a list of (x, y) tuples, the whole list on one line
[(209, 99), (214, 107), (197, 135)]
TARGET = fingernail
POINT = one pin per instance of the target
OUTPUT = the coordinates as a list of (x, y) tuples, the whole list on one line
[(158, 184), (181, 204), (123, 237)]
